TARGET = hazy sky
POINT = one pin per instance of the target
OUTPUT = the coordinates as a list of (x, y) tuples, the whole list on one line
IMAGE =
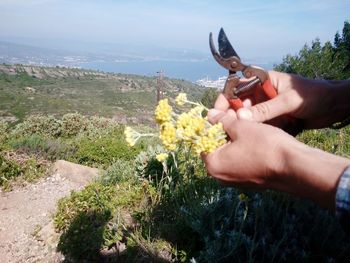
[(266, 28)]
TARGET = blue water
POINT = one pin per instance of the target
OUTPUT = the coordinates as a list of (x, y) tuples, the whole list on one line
[(187, 70)]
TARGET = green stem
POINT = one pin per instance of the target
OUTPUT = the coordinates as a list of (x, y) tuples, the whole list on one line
[(197, 104), (147, 135)]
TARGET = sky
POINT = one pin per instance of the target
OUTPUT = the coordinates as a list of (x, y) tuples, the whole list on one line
[(257, 29)]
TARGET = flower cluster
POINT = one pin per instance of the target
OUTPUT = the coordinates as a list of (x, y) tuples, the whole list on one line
[(132, 136), (188, 128), (163, 111)]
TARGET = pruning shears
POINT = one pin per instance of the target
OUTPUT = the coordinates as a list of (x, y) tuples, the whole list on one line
[(234, 89)]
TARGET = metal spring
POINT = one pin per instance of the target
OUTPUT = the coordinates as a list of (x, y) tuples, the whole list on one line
[(247, 86)]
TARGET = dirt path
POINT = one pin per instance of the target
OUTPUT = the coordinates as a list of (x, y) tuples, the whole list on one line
[(26, 230)]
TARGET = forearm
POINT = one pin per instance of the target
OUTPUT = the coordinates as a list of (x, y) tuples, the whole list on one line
[(311, 173), (318, 103), (339, 92)]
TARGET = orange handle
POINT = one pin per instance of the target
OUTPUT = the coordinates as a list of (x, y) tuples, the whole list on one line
[(235, 104), (269, 89)]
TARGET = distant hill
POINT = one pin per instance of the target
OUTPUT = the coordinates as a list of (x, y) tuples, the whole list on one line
[(26, 90), (118, 58), (12, 53)]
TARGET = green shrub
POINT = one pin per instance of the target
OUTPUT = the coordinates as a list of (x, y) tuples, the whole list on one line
[(8, 170), (100, 127), (101, 123), (146, 164), (141, 249), (181, 168), (264, 228), (29, 144), (4, 128), (104, 151), (38, 124), (73, 124), (90, 141), (91, 219), (50, 149), (34, 169), (178, 182), (119, 171), (83, 219), (28, 170), (221, 227), (333, 141)]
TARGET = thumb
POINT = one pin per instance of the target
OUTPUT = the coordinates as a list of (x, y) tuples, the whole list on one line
[(229, 123), (265, 111)]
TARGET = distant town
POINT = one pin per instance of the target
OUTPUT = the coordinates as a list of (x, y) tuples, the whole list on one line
[(206, 82)]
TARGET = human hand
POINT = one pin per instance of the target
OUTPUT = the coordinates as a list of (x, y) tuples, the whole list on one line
[(259, 155), (245, 160), (300, 104)]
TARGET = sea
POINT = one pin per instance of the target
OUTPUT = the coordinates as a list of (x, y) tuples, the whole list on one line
[(186, 70)]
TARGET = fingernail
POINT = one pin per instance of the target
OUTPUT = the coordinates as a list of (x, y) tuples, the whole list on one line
[(212, 113), (244, 114)]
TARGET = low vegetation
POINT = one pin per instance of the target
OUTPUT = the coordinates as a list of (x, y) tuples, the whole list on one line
[(30, 90), (166, 212)]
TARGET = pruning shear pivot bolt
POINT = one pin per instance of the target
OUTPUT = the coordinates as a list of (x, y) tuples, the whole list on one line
[(233, 89)]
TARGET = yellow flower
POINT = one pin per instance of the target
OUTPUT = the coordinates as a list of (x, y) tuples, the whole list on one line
[(214, 138), (195, 128), (163, 111), (181, 99), (216, 131), (183, 120), (162, 157), (189, 128), (205, 144), (131, 136), (168, 136), (197, 111), (191, 125)]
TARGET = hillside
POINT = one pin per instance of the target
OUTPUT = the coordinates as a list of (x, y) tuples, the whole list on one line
[(27, 90)]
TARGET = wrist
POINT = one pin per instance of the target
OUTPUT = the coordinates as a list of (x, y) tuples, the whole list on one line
[(311, 173), (339, 96)]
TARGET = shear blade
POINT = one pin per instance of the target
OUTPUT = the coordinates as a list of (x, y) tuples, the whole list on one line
[(225, 48)]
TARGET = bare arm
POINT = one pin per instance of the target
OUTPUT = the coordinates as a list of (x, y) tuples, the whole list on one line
[(311, 173), (263, 156), (318, 103)]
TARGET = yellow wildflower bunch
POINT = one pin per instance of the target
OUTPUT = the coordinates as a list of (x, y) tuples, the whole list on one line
[(211, 140), (181, 99), (168, 136), (131, 136), (191, 126), (188, 128), (163, 111)]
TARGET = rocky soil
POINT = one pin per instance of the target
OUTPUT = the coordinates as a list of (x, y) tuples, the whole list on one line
[(26, 227)]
